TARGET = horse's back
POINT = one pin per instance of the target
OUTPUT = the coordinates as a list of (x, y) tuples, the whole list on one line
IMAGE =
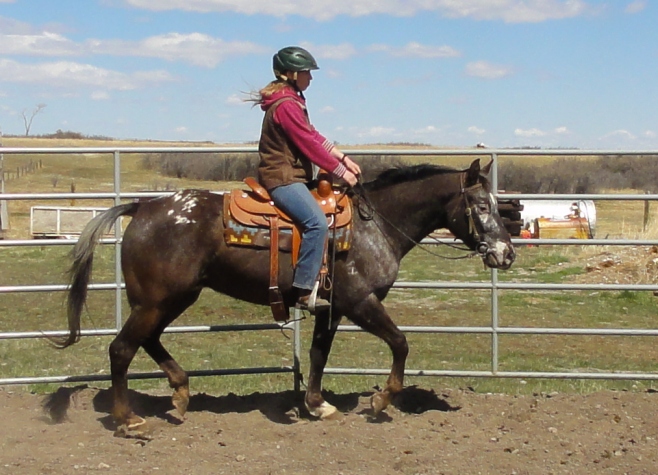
[(176, 243), (170, 238)]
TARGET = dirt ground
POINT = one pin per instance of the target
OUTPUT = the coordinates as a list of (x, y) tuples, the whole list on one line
[(427, 432), (440, 431)]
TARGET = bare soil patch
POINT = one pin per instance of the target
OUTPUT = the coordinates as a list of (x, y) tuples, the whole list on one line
[(622, 265), (444, 432)]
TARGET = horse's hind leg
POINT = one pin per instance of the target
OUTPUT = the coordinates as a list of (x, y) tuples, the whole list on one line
[(138, 327), (143, 328), (178, 378)]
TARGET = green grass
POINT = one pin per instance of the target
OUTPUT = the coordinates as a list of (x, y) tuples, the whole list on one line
[(574, 309)]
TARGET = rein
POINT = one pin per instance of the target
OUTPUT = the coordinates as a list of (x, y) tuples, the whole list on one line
[(369, 213)]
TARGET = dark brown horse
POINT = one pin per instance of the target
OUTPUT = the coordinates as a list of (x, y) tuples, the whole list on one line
[(174, 247)]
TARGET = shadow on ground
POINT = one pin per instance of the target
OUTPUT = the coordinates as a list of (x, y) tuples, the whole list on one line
[(283, 407)]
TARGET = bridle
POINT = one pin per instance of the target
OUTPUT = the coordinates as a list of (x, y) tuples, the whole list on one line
[(470, 211)]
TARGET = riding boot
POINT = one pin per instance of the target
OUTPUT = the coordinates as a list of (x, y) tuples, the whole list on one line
[(309, 300)]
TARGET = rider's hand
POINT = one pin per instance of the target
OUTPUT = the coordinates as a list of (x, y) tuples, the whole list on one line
[(351, 166), (350, 178)]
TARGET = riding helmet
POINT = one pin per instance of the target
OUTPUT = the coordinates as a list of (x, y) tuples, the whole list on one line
[(293, 58)]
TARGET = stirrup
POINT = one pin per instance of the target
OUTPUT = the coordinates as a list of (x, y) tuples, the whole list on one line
[(314, 303)]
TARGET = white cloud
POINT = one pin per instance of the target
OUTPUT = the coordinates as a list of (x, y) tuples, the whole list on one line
[(181, 130), (529, 133), (650, 134), (510, 11), (10, 26), (234, 100), (476, 130), (621, 133), (41, 44), (341, 51), (486, 70), (636, 6), (327, 110), (71, 74), (418, 50), (195, 48), (427, 130), (100, 96), (562, 131), (377, 131)]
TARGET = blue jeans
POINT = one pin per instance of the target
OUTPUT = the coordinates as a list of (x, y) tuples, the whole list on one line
[(297, 202)]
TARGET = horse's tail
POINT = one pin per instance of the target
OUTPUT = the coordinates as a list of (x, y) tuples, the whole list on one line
[(80, 270)]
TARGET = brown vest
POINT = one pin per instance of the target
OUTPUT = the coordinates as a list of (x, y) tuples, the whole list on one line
[(281, 162)]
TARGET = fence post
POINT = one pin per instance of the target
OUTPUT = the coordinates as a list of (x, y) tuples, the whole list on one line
[(494, 281), (645, 222), (4, 215)]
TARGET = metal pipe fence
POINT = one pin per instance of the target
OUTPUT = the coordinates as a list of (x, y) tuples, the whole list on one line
[(494, 330)]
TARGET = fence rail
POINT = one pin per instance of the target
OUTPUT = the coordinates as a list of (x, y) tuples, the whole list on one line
[(494, 286)]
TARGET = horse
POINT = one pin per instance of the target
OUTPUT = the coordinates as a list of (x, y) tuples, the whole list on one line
[(174, 247)]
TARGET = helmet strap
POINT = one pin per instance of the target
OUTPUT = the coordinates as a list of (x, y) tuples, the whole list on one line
[(293, 82)]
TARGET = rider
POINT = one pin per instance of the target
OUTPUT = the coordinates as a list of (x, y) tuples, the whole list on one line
[(289, 147)]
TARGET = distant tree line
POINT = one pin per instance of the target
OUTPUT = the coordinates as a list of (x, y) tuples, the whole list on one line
[(67, 134), (237, 166), (579, 175), (563, 175)]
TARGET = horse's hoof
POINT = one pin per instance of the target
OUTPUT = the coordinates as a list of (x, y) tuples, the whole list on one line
[(324, 411), (134, 422), (133, 427), (126, 432), (180, 400), (379, 401)]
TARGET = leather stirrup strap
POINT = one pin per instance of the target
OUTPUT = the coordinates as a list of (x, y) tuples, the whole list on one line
[(296, 243), (324, 270), (279, 309)]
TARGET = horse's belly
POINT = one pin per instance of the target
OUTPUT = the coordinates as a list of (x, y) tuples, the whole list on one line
[(244, 273)]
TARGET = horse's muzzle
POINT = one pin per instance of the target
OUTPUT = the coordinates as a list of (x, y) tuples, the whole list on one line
[(500, 256)]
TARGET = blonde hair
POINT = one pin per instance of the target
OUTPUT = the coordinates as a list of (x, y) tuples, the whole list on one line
[(257, 97)]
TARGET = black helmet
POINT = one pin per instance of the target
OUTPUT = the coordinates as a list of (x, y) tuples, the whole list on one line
[(293, 58)]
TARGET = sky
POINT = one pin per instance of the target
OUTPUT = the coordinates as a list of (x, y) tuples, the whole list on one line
[(505, 73)]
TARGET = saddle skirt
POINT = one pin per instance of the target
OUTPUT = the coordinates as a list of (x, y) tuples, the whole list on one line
[(248, 215)]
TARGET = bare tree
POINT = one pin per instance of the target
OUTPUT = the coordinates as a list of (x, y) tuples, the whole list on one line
[(28, 121)]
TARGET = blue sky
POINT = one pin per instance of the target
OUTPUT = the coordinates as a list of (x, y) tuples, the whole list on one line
[(508, 73)]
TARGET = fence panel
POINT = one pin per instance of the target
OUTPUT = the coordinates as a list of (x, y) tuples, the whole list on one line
[(494, 286)]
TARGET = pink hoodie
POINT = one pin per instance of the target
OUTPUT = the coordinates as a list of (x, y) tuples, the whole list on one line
[(291, 116)]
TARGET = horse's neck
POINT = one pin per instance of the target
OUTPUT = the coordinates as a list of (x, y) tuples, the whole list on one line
[(408, 213)]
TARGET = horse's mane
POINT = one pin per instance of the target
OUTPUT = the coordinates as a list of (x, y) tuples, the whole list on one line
[(397, 175)]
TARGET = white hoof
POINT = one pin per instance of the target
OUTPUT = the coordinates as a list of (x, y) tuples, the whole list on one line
[(325, 411)]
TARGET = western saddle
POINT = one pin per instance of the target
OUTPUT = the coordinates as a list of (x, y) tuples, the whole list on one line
[(251, 219)]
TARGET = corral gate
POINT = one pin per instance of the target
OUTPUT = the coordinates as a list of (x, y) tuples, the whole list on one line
[(494, 330)]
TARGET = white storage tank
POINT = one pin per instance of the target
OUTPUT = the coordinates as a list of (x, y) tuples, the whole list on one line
[(559, 218)]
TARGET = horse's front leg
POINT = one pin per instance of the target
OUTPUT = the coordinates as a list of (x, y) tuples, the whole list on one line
[(371, 315), (323, 337)]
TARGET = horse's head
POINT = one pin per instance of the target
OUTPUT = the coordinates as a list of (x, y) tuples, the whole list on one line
[(474, 218)]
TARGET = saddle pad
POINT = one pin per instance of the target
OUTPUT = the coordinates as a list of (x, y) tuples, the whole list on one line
[(247, 208), (237, 234)]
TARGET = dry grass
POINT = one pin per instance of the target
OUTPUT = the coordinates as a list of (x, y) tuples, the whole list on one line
[(86, 173)]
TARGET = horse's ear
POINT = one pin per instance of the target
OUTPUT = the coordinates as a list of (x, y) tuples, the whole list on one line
[(473, 173), (487, 168)]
